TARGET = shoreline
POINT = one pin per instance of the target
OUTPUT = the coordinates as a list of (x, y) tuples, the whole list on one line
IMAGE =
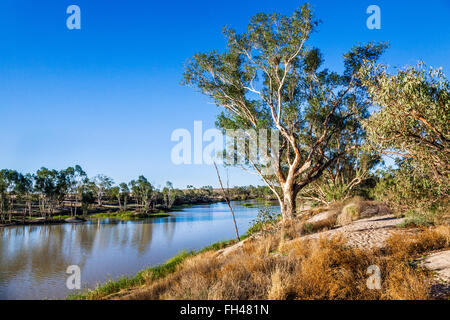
[(119, 215), (109, 288)]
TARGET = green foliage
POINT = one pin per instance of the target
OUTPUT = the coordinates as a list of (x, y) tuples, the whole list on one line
[(266, 216), (348, 177), (130, 215), (415, 218), (405, 188), (412, 123), (142, 189), (269, 78)]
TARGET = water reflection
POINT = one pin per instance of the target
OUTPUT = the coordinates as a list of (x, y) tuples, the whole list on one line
[(34, 259)]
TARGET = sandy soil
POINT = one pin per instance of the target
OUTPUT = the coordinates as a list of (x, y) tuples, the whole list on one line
[(365, 233)]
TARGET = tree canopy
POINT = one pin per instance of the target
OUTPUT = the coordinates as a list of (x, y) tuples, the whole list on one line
[(269, 78)]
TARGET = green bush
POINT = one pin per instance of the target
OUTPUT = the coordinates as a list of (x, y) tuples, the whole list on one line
[(415, 218), (265, 217)]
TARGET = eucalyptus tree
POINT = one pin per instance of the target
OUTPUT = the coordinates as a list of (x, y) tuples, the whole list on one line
[(2, 197), (169, 195), (146, 191), (269, 78), (124, 193), (142, 190), (24, 189), (4, 193), (102, 185), (412, 122), (87, 190), (46, 185), (114, 193), (75, 176), (8, 192)]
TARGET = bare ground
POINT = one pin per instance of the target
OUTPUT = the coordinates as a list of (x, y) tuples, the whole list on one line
[(365, 233)]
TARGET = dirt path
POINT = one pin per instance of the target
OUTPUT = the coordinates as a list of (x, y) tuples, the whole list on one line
[(365, 233)]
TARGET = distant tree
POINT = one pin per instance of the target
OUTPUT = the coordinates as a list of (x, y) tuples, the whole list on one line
[(46, 183), (114, 193), (87, 192), (125, 193), (142, 190), (169, 195), (8, 183), (24, 189), (75, 176), (270, 79), (102, 185)]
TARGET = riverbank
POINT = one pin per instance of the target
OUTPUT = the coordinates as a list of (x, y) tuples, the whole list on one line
[(127, 283), (119, 215), (305, 259), (107, 248)]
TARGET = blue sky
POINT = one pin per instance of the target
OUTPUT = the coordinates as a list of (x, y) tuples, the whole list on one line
[(108, 96)]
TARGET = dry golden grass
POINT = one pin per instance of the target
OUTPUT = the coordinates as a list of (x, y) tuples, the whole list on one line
[(402, 246), (274, 267)]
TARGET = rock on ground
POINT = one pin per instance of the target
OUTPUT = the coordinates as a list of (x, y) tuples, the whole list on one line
[(439, 262), (322, 216)]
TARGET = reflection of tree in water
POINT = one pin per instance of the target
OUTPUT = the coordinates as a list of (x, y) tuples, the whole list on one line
[(142, 235), (11, 259), (169, 228), (40, 251), (85, 236)]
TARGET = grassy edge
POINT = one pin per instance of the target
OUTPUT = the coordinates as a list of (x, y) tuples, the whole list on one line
[(129, 215), (111, 287)]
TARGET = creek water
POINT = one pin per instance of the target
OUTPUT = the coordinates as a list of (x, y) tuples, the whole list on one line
[(34, 258)]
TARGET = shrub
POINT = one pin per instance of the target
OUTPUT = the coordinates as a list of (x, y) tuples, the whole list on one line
[(265, 217), (349, 214), (414, 218)]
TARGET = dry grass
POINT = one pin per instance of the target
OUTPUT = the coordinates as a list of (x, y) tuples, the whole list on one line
[(426, 240), (274, 267)]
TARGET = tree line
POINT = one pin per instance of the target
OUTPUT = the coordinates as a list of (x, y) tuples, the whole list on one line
[(70, 191)]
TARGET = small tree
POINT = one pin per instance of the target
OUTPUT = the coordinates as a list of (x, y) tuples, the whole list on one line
[(125, 193), (87, 189), (142, 190), (46, 185), (75, 176), (114, 193), (413, 124), (169, 195), (8, 180), (102, 185), (24, 188)]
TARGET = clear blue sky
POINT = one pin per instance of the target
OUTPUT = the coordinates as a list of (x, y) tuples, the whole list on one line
[(108, 96)]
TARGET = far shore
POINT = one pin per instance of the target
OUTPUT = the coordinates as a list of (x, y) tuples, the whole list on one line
[(112, 212)]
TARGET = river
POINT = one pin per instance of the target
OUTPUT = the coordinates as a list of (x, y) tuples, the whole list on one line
[(34, 258)]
